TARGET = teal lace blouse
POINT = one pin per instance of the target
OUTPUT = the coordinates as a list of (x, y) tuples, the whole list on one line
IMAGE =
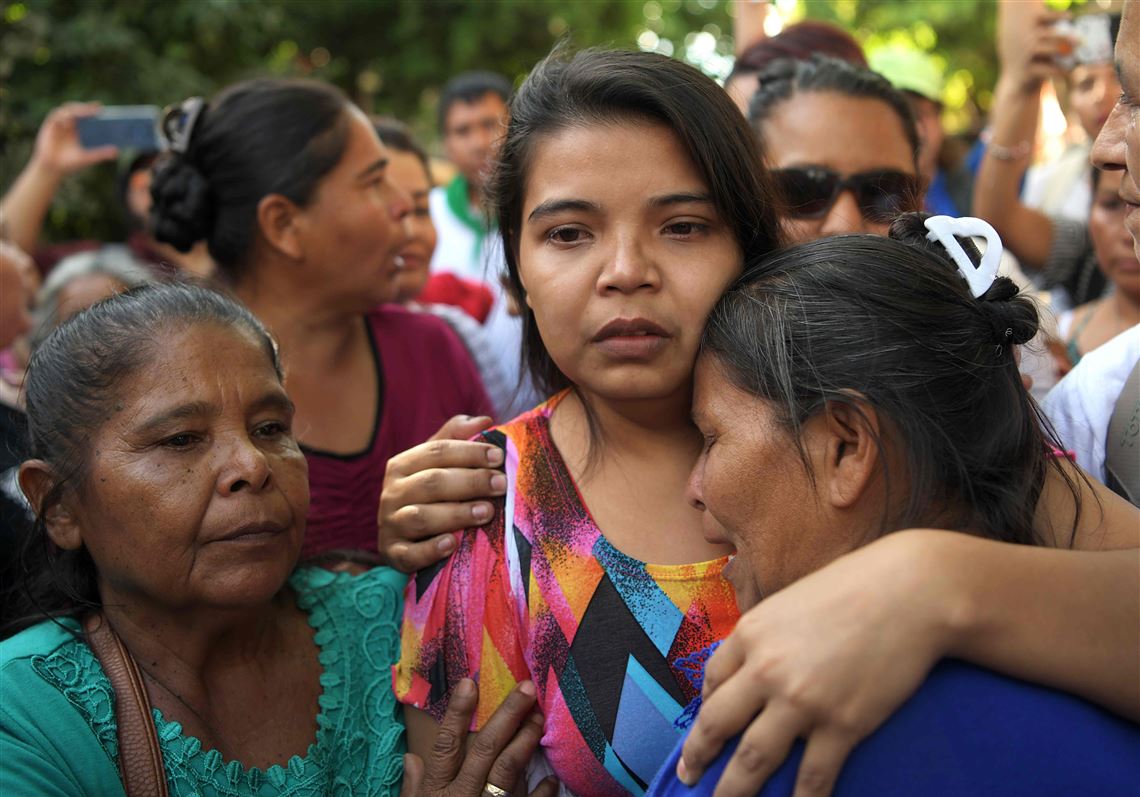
[(58, 730)]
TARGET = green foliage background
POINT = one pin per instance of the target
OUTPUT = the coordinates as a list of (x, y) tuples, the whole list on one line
[(390, 55)]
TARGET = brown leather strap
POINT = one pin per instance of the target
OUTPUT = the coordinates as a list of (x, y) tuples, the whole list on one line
[(140, 759)]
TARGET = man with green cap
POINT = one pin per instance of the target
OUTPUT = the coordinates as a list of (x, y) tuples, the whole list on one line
[(919, 76)]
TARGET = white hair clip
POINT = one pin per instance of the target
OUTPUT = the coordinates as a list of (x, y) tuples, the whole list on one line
[(944, 229)]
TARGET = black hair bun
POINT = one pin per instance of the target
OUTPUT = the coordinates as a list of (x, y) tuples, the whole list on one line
[(1012, 318), (182, 213)]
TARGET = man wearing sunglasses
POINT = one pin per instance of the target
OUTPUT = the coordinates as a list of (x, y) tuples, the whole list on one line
[(842, 143)]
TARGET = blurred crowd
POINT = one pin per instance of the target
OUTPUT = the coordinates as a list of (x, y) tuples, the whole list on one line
[(755, 437)]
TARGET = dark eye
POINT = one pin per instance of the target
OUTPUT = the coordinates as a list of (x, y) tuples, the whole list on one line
[(272, 430), (183, 440), (685, 229), (566, 235)]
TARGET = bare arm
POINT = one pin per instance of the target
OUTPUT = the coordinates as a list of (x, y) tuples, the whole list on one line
[(1027, 232), (57, 154), (1027, 47), (748, 24)]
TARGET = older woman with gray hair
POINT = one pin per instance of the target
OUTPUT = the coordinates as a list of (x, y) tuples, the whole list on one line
[(80, 281)]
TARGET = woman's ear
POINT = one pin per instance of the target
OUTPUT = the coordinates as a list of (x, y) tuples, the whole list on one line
[(37, 479), (278, 221), (852, 453)]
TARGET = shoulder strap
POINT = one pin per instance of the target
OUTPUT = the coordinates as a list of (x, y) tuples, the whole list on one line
[(1122, 459), (140, 759)]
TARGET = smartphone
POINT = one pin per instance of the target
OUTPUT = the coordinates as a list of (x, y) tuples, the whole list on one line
[(133, 127), (1092, 40)]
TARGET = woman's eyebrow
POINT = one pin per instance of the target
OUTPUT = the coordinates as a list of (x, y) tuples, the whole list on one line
[(191, 409), (274, 400), (679, 199), (552, 206), (378, 166)]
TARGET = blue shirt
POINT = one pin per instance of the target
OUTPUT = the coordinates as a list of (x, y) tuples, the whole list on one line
[(970, 732)]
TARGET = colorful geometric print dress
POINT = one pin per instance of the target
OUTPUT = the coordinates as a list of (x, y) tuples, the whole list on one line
[(548, 598)]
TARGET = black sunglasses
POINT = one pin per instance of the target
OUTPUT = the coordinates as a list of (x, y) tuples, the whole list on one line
[(810, 191)]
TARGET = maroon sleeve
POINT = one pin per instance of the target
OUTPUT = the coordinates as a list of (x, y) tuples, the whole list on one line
[(423, 350)]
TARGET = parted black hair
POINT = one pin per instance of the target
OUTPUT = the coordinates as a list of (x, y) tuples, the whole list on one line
[(605, 86), (259, 137), (471, 87), (890, 323), (73, 382), (781, 80)]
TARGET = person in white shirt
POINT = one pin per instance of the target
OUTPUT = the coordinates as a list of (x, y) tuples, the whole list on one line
[(472, 118)]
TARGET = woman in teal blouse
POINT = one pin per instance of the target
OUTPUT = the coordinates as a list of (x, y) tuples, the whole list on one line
[(171, 495)]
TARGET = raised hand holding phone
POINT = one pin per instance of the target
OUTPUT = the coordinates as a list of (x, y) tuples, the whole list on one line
[(58, 149)]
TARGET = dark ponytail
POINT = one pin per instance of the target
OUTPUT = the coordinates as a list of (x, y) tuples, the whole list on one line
[(256, 138)]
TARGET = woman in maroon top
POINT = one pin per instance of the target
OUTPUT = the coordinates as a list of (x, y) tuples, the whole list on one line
[(286, 182)]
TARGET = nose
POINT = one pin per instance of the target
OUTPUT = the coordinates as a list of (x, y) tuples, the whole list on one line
[(245, 468), (844, 216), (628, 267), (399, 203), (1108, 148), (694, 489)]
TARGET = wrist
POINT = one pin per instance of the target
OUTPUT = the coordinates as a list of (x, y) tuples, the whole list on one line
[(43, 170), (1017, 86), (937, 579)]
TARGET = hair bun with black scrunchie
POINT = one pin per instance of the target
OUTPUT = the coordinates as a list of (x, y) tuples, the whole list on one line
[(1011, 317), (182, 213)]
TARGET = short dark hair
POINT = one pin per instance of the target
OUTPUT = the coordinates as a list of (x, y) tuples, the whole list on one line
[(781, 80), (72, 384), (799, 42), (889, 322), (256, 138), (398, 136), (471, 87), (602, 86)]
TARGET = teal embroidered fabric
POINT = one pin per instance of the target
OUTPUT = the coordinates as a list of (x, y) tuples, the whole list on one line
[(360, 742)]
